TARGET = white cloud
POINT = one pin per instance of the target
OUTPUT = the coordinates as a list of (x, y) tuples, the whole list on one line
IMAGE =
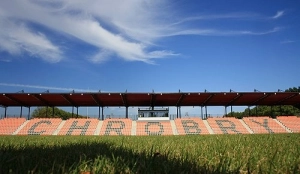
[(213, 32), (46, 87), (278, 14), (287, 41), (16, 38), (127, 29)]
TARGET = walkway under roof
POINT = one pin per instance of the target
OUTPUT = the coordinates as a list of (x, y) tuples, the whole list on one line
[(150, 99)]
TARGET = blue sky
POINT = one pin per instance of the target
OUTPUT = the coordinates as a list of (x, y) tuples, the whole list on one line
[(140, 45)]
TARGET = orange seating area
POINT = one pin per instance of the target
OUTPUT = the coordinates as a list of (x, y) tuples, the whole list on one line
[(183, 126), (291, 122), (188, 126), (154, 128), (40, 126), (116, 127), (9, 125), (263, 125), (75, 126), (227, 126)]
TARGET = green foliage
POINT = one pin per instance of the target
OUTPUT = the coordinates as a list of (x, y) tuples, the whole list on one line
[(271, 111), (267, 111), (294, 89), (47, 112), (261, 153)]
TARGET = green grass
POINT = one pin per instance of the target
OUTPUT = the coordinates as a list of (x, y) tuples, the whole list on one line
[(269, 153)]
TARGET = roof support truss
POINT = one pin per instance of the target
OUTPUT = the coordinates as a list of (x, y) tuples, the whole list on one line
[(207, 100), (234, 99), (289, 97), (41, 99), (124, 99), (180, 99), (96, 100), (260, 99), (67, 98), (15, 100)]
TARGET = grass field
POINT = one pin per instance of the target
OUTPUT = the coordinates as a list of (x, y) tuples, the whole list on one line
[(269, 153)]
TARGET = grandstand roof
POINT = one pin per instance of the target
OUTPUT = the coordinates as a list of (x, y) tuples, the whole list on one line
[(150, 99)]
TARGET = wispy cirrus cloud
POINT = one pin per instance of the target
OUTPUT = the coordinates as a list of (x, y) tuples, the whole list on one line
[(214, 32), (278, 15), (16, 38), (287, 41), (46, 87), (125, 29)]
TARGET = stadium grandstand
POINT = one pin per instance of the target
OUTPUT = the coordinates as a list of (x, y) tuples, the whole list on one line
[(153, 116)]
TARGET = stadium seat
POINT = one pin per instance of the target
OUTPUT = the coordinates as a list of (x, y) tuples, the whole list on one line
[(9, 125), (154, 128), (79, 126), (291, 122), (263, 125), (188, 126), (116, 127), (227, 126), (40, 126)]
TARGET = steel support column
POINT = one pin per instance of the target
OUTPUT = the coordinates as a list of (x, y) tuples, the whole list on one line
[(225, 111), (72, 111), (179, 111), (202, 112), (5, 111), (21, 112), (47, 111), (77, 112), (126, 112), (102, 114), (231, 110), (256, 110), (205, 112), (28, 113), (272, 111), (280, 110), (99, 112), (249, 112)]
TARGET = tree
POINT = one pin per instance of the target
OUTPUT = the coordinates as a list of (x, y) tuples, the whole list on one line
[(270, 110), (47, 112)]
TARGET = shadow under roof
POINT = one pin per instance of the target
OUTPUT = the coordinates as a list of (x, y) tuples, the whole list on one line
[(150, 99)]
